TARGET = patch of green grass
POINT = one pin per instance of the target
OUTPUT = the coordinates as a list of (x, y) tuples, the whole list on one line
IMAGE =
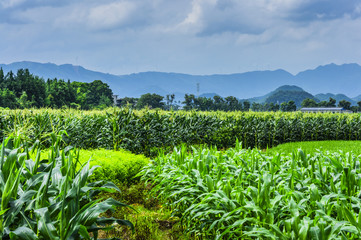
[(150, 224), (116, 166), (313, 146), (152, 220)]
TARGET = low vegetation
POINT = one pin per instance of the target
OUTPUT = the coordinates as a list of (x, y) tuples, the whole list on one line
[(117, 166), (244, 194), (50, 198), (181, 191), (313, 147)]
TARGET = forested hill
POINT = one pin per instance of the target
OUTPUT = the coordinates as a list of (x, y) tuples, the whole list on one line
[(330, 78), (289, 93), (22, 89)]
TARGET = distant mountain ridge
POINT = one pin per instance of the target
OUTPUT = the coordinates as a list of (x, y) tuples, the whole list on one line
[(331, 78), (337, 97)]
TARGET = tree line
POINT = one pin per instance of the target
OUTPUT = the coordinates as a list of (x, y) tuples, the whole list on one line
[(332, 103), (230, 103), (191, 102), (24, 90)]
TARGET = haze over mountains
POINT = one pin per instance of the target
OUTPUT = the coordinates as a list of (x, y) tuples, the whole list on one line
[(326, 81)]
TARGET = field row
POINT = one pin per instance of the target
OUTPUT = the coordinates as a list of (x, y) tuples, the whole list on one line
[(245, 194), (146, 131)]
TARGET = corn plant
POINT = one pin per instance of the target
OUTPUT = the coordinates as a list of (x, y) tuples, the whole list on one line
[(145, 131), (244, 194), (52, 198)]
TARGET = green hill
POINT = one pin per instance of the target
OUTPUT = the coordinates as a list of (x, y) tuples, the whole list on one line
[(289, 93)]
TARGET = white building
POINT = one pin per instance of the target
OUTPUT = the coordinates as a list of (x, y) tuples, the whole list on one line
[(325, 109)]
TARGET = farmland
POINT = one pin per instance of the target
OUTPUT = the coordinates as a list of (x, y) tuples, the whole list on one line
[(144, 132), (206, 175), (244, 194)]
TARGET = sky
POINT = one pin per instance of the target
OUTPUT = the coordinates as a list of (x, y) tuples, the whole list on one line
[(185, 36)]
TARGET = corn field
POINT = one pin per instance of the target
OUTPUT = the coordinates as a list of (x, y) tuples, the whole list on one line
[(244, 194), (237, 193), (147, 131), (50, 198)]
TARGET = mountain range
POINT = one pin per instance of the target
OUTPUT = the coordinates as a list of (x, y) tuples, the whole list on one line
[(323, 82)]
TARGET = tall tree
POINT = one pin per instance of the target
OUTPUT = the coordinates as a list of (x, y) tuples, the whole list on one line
[(344, 104), (128, 101), (246, 105), (308, 102), (203, 103), (81, 90), (331, 102), (289, 106), (322, 104), (232, 103), (8, 99), (151, 100), (96, 89), (2, 79), (189, 101), (58, 93), (169, 101), (219, 103)]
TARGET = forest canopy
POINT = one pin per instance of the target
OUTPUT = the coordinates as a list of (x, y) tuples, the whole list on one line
[(24, 90)]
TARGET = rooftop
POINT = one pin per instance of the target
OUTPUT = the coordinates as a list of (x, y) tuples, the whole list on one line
[(323, 109)]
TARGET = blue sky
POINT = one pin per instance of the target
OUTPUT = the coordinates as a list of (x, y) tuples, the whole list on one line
[(186, 36)]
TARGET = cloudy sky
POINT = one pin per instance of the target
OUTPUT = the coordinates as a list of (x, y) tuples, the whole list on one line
[(186, 36)]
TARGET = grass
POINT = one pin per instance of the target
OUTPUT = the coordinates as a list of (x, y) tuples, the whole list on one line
[(313, 146), (119, 166), (116, 166), (152, 219)]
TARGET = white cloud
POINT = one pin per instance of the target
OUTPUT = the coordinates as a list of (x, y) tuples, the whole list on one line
[(191, 36), (358, 9), (192, 22), (209, 17), (159, 15), (111, 15), (11, 3)]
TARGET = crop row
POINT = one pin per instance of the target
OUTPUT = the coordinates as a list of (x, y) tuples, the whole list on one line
[(50, 198), (244, 194), (146, 131)]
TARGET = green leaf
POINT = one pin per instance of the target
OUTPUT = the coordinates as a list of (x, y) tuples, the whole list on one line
[(83, 232), (45, 224), (24, 233), (2, 212), (351, 218)]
